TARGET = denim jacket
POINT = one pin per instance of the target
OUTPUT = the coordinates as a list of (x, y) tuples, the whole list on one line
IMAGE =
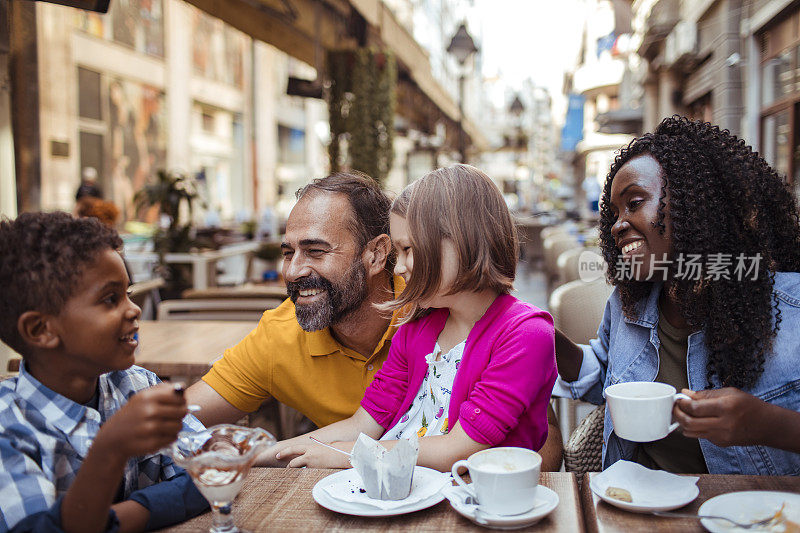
[(633, 347)]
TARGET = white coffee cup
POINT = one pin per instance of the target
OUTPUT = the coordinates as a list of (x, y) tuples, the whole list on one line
[(642, 410), (504, 479)]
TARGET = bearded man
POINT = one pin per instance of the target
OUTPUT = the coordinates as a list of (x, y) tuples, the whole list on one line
[(319, 350)]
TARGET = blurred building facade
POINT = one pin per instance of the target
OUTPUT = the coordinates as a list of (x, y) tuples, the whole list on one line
[(432, 24), (734, 63), (8, 185), (602, 84), (202, 88)]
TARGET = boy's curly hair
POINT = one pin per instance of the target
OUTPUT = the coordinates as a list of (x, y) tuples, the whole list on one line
[(42, 257), (723, 198)]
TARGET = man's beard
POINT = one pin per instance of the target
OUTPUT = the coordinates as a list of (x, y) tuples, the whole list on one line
[(335, 303)]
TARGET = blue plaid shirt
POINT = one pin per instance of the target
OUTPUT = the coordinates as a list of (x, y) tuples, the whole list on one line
[(44, 438)]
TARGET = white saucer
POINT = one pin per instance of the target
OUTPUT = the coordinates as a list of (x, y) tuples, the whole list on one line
[(679, 500), (322, 497), (748, 506), (546, 501)]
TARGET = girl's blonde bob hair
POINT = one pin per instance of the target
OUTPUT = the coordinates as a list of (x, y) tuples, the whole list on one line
[(462, 204)]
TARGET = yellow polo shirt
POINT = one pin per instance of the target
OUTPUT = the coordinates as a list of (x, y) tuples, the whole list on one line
[(309, 371)]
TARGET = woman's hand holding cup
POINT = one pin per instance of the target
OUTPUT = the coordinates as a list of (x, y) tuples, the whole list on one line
[(641, 411)]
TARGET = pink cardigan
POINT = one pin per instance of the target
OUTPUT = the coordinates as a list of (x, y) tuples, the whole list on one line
[(502, 386)]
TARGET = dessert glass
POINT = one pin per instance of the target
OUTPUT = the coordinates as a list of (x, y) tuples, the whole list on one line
[(219, 459)]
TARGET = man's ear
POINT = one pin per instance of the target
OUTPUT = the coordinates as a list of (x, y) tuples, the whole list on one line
[(37, 330), (376, 253)]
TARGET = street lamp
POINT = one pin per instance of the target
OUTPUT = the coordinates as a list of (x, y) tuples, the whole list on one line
[(516, 108), (461, 47)]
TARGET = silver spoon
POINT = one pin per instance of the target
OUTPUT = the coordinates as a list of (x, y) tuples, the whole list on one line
[(748, 525), (179, 389), (329, 446)]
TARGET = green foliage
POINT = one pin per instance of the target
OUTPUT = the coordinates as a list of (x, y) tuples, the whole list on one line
[(361, 104), (169, 192), (269, 251)]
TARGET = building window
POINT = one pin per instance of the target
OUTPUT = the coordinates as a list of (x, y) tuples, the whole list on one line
[(291, 146), (777, 78), (122, 134), (777, 141), (701, 109), (208, 122), (780, 96), (138, 24), (89, 101), (91, 153), (217, 49)]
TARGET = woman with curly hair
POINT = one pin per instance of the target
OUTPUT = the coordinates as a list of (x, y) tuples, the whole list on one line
[(702, 239)]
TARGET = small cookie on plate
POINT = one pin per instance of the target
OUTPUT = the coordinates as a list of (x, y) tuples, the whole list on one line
[(619, 494)]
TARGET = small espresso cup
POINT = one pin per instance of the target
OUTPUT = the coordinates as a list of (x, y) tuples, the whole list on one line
[(504, 480), (642, 410)]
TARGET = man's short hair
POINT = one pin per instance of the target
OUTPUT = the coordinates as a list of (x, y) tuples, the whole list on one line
[(369, 204), (42, 258)]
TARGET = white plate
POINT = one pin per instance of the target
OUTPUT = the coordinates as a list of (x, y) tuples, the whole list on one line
[(748, 506), (322, 497), (546, 501), (678, 501)]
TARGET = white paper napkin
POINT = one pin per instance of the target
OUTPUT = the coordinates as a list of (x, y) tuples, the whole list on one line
[(387, 474), (647, 487), (426, 483)]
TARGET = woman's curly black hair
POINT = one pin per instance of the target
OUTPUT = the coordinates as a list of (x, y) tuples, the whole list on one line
[(723, 198)]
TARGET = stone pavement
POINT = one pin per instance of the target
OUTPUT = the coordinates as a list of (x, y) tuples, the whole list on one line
[(531, 285)]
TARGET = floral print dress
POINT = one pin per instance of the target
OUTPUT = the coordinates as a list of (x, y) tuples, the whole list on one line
[(428, 413)]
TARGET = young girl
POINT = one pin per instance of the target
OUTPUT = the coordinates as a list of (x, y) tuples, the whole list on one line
[(472, 367)]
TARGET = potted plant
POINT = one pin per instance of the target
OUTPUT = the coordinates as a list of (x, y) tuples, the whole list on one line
[(169, 192)]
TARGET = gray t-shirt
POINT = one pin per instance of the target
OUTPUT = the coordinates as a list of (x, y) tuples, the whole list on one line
[(674, 453)]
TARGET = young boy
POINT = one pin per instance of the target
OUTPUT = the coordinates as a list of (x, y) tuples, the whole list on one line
[(80, 427)]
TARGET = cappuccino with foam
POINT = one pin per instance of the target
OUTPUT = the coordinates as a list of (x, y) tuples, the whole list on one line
[(504, 480)]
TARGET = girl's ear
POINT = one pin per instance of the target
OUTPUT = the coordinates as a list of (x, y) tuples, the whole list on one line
[(376, 253), (36, 329)]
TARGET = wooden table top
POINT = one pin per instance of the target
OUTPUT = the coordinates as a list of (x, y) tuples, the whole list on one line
[(186, 347), (279, 499), (601, 517)]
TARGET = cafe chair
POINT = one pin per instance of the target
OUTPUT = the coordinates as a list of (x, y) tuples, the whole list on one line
[(584, 449), (553, 247), (549, 231), (569, 263), (577, 309)]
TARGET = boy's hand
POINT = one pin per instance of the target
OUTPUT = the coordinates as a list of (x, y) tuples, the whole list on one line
[(149, 421)]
